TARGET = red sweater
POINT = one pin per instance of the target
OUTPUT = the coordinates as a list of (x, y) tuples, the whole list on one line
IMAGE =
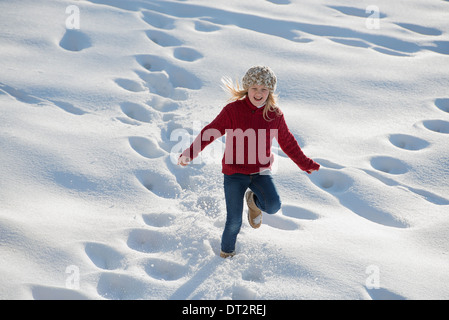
[(248, 139)]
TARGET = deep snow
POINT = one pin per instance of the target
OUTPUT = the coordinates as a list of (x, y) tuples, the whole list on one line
[(92, 205)]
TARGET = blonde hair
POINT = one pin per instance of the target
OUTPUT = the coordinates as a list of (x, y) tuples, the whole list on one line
[(238, 93)]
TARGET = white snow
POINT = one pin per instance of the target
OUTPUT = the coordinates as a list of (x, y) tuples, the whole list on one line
[(93, 207)]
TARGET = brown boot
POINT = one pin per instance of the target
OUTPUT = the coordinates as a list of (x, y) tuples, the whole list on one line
[(227, 255), (254, 213)]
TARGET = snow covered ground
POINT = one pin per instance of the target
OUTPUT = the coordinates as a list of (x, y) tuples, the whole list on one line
[(93, 207)]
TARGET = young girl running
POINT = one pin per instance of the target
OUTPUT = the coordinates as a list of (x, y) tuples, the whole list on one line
[(250, 123)]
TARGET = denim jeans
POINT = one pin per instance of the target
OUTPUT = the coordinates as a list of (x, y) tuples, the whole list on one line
[(266, 198)]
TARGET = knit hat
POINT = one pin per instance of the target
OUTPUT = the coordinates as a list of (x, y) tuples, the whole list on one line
[(260, 75)]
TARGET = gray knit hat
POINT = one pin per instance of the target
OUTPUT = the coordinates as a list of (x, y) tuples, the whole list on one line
[(260, 75)]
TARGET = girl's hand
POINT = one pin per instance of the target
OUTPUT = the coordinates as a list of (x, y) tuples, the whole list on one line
[(183, 160), (310, 171)]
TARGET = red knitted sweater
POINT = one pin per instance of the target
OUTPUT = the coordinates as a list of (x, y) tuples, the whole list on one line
[(248, 139)]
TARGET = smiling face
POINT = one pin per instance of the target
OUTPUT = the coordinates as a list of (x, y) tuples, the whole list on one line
[(258, 94)]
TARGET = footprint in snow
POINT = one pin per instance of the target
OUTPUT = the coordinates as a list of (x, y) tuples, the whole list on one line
[(179, 77), (163, 104), (442, 104), (146, 147), (104, 256), (384, 294), (440, 126), (130, 85), (329, 164), (162, 38), (159, 183), (137, 112), (331, 181), (205, 26), (113, 283), (158, 20), (280, 222), (151, 241), (408, 142), (299, 213), (389, 165), (166, 270), (159, 220), (187, 54), (75, 181), (40, 292), (158, 82), (283, 219), (75, 40)]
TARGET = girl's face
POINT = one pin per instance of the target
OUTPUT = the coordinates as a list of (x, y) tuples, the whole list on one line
[(258, 94)]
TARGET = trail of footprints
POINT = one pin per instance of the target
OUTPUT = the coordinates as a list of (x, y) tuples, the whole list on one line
[(158, 258), (114, 281), (167, 84), (332, 180)]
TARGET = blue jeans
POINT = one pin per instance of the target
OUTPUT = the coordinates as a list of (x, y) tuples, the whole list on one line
[(266, 198)]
